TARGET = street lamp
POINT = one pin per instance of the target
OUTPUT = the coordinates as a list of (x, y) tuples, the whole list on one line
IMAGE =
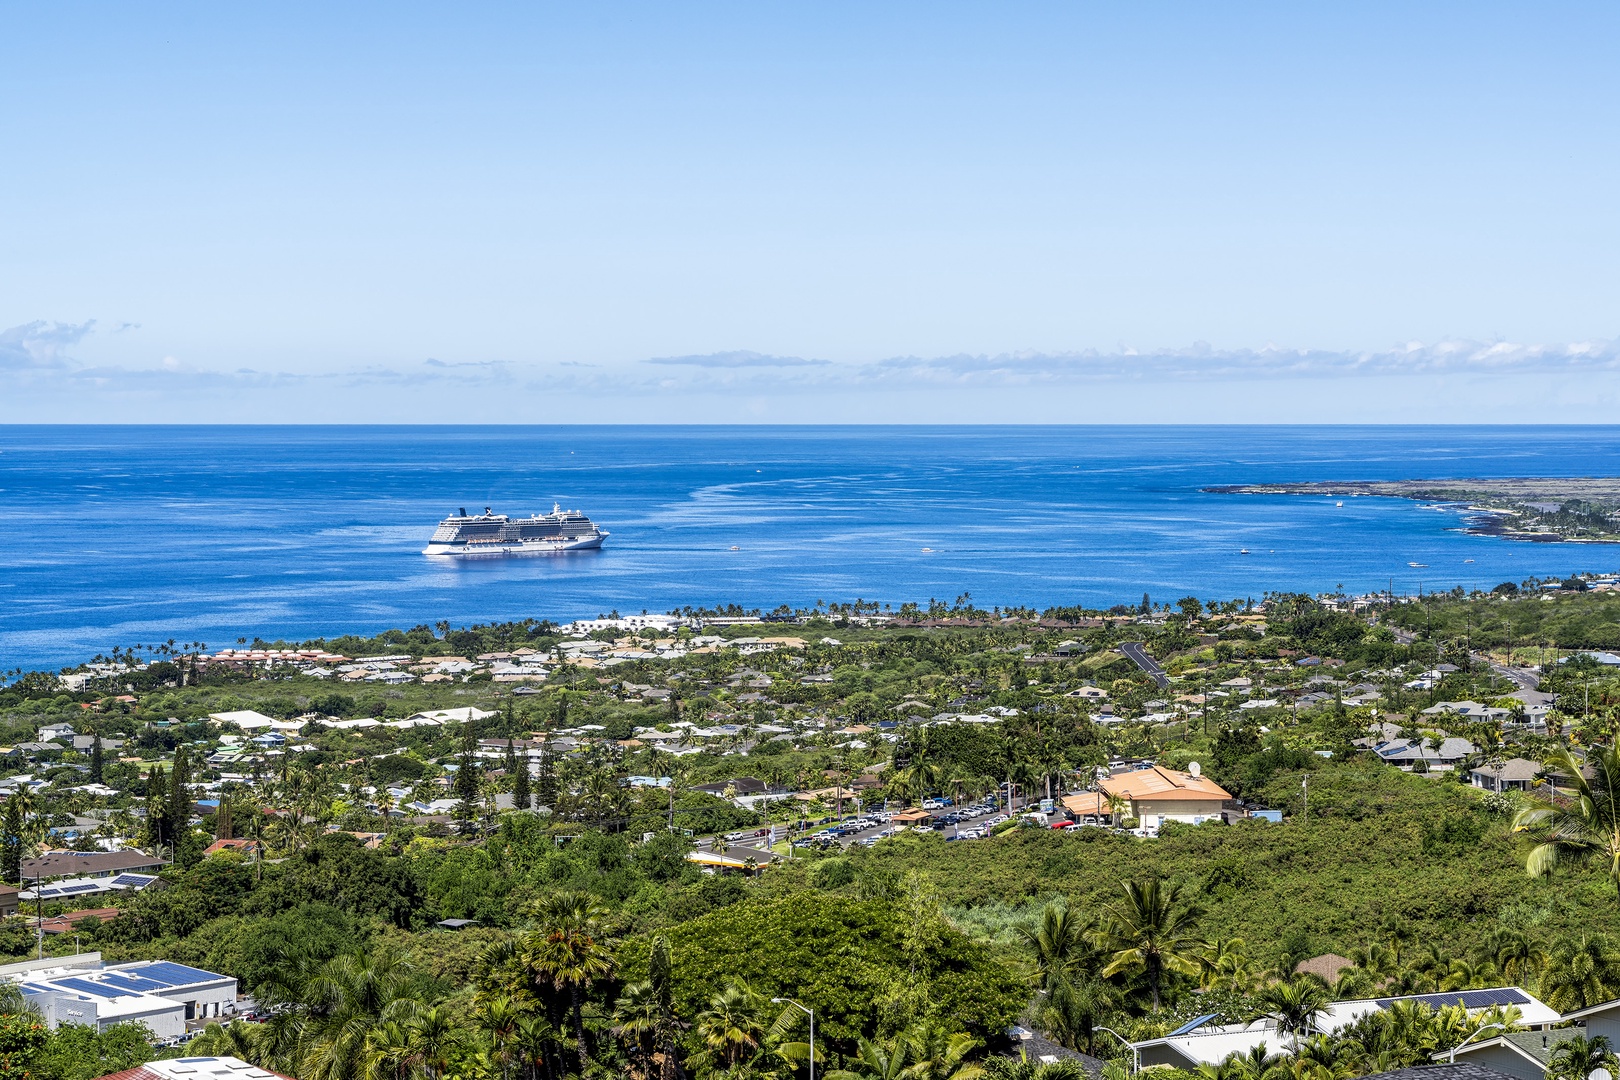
[(1452, 1058), (811, 1013), (1136, 1055)]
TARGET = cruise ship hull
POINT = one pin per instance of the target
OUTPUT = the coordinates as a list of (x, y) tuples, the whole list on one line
[(517, 547)]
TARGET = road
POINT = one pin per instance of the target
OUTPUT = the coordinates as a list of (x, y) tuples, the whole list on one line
[(1526, 683), (1134, 651)]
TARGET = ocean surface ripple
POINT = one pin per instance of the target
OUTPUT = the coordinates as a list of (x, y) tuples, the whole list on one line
[(115, 535)]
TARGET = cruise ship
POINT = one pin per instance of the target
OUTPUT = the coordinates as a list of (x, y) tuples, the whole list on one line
[(490, 533)]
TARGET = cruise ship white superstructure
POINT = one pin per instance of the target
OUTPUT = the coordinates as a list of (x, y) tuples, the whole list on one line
[(489, 533)]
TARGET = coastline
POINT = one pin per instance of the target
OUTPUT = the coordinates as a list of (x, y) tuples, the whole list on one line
[(1573, 510)]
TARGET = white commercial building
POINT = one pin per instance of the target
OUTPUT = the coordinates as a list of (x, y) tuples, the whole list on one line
[(160, 994)]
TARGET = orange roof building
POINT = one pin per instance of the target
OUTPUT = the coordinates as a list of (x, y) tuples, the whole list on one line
[(1086, 804), (1158, 795)]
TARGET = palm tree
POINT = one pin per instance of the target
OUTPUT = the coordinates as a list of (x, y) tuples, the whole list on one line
[(1150, 930), (1058, 943), (1225, 965), (1295, 1004), (1580, 972), (498, 1017), (569, 951), (1578, 1057), (1119, 808), (1379, 961), (638, 1019), (1582, 829), (531, 1042), (1021, 1068), (436, 1035), (389, 1053), (730, 1027), (1324, 1057), (349, 996), (939, 1055), (1516, 955), (238, 1039), (1465, 975), (1072, 1009), (874, 1062)]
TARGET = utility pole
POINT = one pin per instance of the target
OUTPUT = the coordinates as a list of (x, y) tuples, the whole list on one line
[(1305, 784)]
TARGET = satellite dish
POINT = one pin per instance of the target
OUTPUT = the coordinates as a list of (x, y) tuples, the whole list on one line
[(1600, 1073)]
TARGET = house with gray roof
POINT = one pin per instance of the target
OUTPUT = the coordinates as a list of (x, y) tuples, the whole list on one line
[(1472, 710), (1406, 753), (1524, 1054), (1514, 774)]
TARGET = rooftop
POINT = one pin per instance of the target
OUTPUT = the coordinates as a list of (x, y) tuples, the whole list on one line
[(1158, 782)]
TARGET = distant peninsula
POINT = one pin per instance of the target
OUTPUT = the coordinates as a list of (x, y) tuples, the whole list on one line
[(1537, 509)]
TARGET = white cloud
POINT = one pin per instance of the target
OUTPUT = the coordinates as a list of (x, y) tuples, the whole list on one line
[(40, 345), (740, 359), (1451, 379)]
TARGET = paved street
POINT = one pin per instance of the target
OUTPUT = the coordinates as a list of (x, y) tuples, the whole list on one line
[(1134, 651)]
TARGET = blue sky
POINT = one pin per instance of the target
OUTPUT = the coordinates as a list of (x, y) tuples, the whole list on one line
[(817, 212)]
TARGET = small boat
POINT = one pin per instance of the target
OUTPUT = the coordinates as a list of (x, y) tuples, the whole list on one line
[(1243, 551), (734, 547), (1468, 560), (927, 551), (1418, 565), (1340, 503)]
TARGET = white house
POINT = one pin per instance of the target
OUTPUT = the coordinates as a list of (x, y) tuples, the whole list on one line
[(1202, 1042), (246, 719)]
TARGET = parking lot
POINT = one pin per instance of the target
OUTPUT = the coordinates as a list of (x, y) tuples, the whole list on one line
[(967, 822)]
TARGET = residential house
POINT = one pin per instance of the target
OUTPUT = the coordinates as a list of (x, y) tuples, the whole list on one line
[(90, 864), (1514, 774), (1472, 710), (1601, 1019), (1408, 752), (1203, 1042), (246, 719), (741, 785), (1524, 1054)]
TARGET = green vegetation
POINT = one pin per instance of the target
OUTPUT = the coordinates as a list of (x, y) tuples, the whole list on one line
[(600, 948)]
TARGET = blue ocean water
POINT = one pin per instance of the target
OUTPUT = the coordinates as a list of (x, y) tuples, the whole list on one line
[(115, 535)]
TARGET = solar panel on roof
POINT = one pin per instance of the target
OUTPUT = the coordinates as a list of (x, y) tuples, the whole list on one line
[(1468, 999), (172, 974), (88, 987), (128, 982), (1193, 1025), (133, 881)]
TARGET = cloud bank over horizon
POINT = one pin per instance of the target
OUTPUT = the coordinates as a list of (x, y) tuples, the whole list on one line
[(1456, 381)]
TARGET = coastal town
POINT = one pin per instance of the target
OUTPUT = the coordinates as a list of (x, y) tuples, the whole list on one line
[(980, 780)]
